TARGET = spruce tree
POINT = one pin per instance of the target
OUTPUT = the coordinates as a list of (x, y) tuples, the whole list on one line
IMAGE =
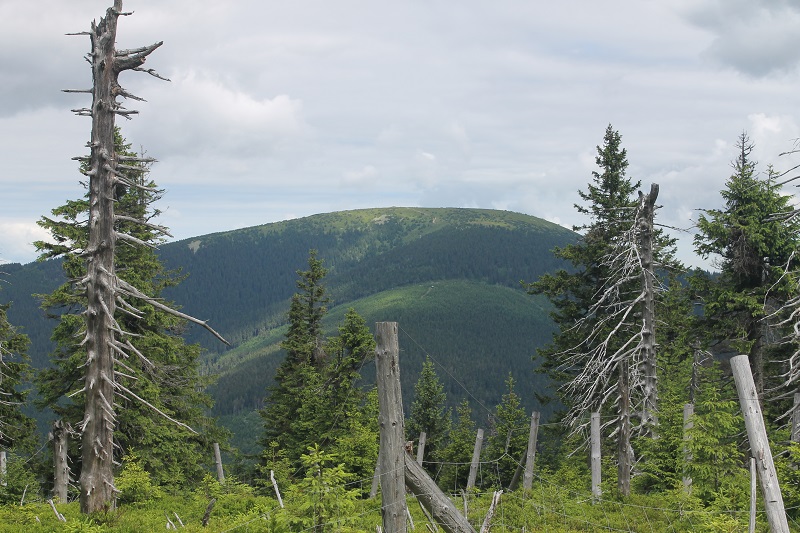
[(167, 373), (298, 381), (750, 248), (16, 429), (508, 435), (609, 204), (457, 454), (316, 391), (429, 412), (585, 336)]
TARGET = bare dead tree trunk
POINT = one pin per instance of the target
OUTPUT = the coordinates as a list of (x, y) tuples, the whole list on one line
[(97, 444), (688, 424), (624, 431), (60, 465), (530, 455), (795, 433), (644, 222), (596, 457), (104, 339)]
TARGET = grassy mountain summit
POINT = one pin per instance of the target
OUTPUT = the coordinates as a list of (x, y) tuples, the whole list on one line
[(449, 276)]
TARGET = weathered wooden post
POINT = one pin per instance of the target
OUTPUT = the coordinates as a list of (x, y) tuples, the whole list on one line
[(432, 499), (3, 468), (421, 447), (60, 465), (392, 429), (596, 464), (530, 457), (476, 458), (218, 461), (688, 424), (753, 493), (376, 477), (795, 436), (759, 444)]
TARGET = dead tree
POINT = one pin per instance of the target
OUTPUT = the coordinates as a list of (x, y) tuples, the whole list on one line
[(104, 340), (618, 367)]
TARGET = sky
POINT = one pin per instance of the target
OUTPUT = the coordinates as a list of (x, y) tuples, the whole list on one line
[(279, 110)]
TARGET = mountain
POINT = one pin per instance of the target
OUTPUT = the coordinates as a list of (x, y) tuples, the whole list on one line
[(449, 277)]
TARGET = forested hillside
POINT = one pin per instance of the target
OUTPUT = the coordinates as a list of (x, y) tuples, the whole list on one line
[(450, 277)]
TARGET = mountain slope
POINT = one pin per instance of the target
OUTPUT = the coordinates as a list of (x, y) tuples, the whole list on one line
[(449, 277)]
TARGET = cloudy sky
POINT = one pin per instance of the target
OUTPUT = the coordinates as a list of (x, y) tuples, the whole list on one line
[(279, 110)]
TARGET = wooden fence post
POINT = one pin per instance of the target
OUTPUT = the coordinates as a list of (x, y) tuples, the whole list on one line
[(753, 492), (392, 429), (759, 444), (421, 447), (218, 460), (3, 468), (376, 477), (795, 436), (60, 465), (530, 457), (476, 458), (688, 424), (597, 491)]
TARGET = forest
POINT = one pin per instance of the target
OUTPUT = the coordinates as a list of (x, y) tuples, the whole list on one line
[(635, 361)]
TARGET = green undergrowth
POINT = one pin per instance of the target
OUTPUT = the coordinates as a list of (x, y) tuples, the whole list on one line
[(547, 507)]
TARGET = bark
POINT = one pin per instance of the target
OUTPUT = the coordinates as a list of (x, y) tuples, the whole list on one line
[(648, 342), (476, 458), (759, 444), (624, 432), (596, 457), (97, 444), (60, 465), (392, 430), (443, 510)]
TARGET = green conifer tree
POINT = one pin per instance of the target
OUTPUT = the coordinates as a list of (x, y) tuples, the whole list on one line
[(457, 454), (166, 373), (16, 429), (429, 412), (316, 386), (508, 435), (750, 248), (609, 205)]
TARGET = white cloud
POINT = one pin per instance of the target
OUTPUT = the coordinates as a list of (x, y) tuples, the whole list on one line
[(16, 239), (756, 37), (201, 113), (364, 177)]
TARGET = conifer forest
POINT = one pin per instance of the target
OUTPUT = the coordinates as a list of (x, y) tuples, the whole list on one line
[(399, 369)]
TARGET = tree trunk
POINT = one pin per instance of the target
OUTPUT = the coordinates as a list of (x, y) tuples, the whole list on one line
[(795, 435), (97, 443), (530, 456), (596, 457), (60, 465), (648, 355), (218, 462), (624, 434), (688, 424), (392, 431)]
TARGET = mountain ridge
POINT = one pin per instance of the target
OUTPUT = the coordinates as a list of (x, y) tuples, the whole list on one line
[(481, 326)]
